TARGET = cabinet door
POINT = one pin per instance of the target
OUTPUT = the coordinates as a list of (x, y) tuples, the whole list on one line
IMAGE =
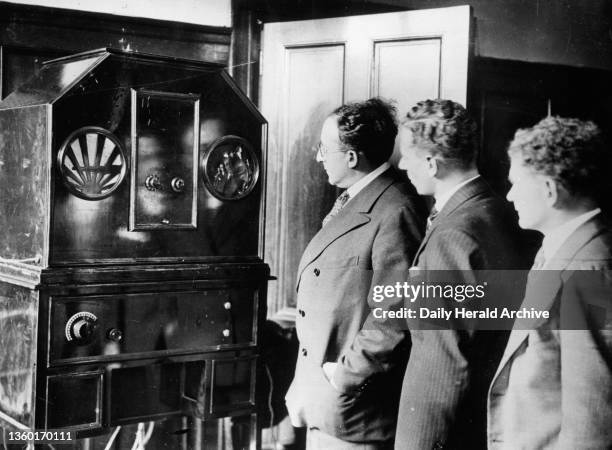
[(311, 67)]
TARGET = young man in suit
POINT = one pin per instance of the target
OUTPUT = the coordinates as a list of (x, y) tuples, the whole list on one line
[(443, 399), (553, 387), (348, 374)]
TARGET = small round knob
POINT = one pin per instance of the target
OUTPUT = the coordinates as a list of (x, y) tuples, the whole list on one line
[(115, 334), (152, 182), (226, 332), (227, 305), (177, 184)]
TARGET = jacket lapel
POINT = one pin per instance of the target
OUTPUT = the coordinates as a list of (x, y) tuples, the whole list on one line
[(540, 293), (464, 194), (543, 285), (355, 214), (575, 242)]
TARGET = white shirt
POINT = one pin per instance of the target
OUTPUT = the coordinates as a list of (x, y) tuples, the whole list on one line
[(555, 239), (363, 182), (443, 199)]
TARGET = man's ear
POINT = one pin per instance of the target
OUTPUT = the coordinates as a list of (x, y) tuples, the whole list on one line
[(432, 166), (353, 159), (551, 191)]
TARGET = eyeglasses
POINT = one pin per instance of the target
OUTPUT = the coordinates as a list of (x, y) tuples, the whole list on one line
[(322, 151)]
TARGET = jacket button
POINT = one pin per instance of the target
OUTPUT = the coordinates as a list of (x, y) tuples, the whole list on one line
[(317, 272), (304, 352)]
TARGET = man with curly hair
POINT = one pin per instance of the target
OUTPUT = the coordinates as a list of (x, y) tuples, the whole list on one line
[(443, 401), (553, 386), (349, 369)]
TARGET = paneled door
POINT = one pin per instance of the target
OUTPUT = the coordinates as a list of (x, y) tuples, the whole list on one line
[(311, 67)]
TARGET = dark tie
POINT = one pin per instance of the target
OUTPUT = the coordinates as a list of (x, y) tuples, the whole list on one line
[(432, 216), (338, 205)]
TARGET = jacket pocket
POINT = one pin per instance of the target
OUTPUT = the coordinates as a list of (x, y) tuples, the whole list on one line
[(336, 263), (331, 410)]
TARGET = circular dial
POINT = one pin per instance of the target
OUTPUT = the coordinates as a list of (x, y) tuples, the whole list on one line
[(230, 168), (80, 327), (92, 163)]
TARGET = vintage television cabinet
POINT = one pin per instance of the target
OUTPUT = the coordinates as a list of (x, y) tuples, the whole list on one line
[(131, 280)]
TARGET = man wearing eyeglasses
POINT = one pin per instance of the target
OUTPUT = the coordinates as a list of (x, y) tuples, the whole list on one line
[(349, 370)]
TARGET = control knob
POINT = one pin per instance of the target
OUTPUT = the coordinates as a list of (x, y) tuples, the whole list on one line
[(80, 327)]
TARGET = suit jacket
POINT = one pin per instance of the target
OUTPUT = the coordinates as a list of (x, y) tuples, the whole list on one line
[(371, 241), (443, 399), (553, 387)]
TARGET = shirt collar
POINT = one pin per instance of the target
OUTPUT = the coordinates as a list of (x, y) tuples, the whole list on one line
[(363, 182), (555, 239), (443, 199)]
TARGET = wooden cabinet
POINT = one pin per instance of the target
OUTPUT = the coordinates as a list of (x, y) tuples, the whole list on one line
[(131, 274)]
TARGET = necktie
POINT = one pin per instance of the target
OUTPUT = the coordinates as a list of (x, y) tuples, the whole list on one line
[(338, 205), (539, 260), (432, 216)]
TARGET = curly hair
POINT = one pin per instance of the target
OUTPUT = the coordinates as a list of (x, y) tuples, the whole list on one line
[(445, 129), (571, 151), (369, 127)]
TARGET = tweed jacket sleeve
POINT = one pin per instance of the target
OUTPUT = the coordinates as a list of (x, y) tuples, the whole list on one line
[(586, 361)]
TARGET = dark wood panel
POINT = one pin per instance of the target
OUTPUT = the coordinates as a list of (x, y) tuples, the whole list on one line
[(507, 95), (62, 24), (502, 115), (32, 34), (19, 63), (245, 50)]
